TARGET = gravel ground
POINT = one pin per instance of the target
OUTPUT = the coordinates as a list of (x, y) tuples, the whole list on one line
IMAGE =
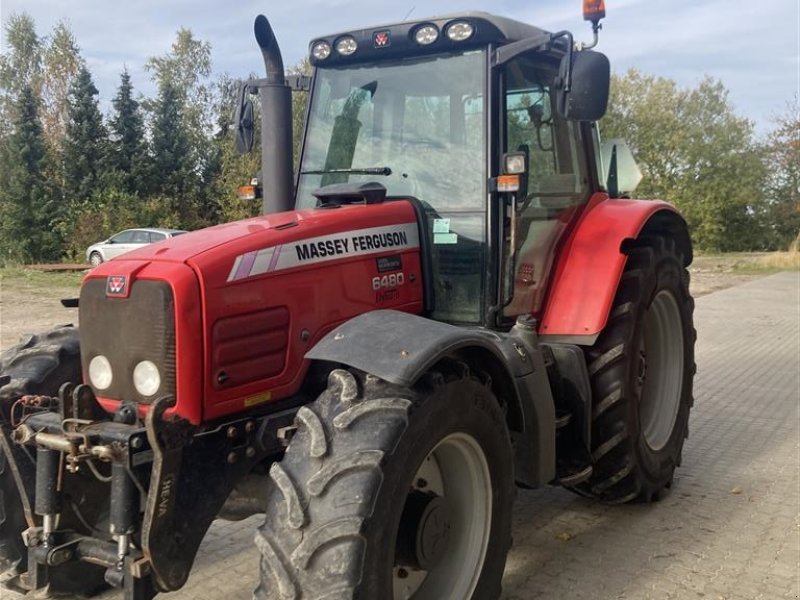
[(730, 528)]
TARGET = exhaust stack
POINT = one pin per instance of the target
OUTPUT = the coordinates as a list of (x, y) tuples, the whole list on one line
[(277, 171)]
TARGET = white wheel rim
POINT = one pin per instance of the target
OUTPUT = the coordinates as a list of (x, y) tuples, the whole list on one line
[(663, 377), (457, 470)]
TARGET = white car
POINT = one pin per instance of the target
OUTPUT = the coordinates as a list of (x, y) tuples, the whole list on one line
[(125, 241)]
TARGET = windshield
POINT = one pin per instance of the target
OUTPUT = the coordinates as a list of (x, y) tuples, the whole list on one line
[(416, 126)]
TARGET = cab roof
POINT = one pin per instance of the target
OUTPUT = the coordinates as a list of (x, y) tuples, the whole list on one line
[(489, 29)]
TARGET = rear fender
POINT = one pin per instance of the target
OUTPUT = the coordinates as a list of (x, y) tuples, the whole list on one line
[(400, 347), (591, 262)]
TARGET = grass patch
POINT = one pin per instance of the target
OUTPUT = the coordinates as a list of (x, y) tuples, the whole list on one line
[(747, 262), (779, 261), (21, 276)]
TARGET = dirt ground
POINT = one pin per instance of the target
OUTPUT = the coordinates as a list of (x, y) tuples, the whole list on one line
[(30, 300)]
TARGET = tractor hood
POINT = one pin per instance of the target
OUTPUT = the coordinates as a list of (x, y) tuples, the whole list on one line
[(285, 240)]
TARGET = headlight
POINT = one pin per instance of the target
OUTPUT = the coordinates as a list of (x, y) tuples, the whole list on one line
[(426, 35), (146, 378), (459, 31), (100, 373), (346, 45), (321, 50)]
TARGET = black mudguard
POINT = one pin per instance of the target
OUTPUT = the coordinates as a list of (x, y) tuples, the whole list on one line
[(400, 347)]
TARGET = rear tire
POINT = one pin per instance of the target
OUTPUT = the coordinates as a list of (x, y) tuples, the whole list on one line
[(642, 370), (347, 504), (95, 259), (40, 364)]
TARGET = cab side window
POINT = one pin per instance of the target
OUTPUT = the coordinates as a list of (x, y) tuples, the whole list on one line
[(556, 176), (157, 237)]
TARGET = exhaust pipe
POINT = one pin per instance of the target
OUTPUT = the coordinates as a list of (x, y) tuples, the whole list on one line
[(277, 171)]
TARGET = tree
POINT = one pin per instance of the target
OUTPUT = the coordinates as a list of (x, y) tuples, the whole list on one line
[(234, 170), (186, 71), (20, 67), (172, 165), (85, 147), (61, 64), (28, 209), (695, 152), (299, 101), (129, 149), (782, 155)]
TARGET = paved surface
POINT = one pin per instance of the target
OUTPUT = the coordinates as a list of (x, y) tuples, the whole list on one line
[(729, 530)]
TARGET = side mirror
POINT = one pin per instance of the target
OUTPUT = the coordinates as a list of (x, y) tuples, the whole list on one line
[(583, 95), (245, 125)]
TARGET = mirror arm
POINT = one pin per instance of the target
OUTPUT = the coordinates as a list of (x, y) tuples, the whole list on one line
[(596, 27), (297, 83), (567, 84)]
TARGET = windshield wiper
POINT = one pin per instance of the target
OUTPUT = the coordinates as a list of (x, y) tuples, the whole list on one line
[(386, 171)]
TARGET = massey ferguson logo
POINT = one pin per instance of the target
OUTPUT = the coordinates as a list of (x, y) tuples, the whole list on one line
[(116, 285), (382, 39)]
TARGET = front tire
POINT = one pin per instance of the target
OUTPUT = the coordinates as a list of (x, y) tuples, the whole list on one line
[(642, 370), (39, 365), (389, 492), (95, 259)]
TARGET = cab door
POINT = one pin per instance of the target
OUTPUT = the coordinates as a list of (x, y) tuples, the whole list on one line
[(557, 182)]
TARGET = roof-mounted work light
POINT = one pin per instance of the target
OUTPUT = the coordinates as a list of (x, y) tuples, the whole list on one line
[(593, 10)]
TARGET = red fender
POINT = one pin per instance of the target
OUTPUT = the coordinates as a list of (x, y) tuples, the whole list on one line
[(590, 264)]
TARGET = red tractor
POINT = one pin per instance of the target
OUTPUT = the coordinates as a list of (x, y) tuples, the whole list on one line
[(451, 297)]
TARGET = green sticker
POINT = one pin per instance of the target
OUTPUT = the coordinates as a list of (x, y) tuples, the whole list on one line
[(445, 238)]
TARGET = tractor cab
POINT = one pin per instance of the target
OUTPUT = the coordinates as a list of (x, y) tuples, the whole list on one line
[(430, 110)]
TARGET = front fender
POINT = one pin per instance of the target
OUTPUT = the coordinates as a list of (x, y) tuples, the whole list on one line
[(590, 266), (400, 347)]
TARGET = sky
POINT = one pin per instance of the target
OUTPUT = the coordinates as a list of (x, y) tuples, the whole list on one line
[(753, 47)]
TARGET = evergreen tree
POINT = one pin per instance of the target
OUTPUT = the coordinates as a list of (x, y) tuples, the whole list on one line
[(28, 209), (20, 66), (21, 63), (129, 149), (172, 167), (85, 145), (186, 68)]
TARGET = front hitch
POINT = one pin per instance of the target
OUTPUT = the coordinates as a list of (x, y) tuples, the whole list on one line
[(162, 482), (79, 446)]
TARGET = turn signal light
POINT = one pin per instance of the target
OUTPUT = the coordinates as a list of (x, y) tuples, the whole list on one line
[(247, 192), (508, 183), (594, 10)]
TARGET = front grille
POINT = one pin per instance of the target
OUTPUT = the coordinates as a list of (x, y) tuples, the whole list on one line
[(128, 331)]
